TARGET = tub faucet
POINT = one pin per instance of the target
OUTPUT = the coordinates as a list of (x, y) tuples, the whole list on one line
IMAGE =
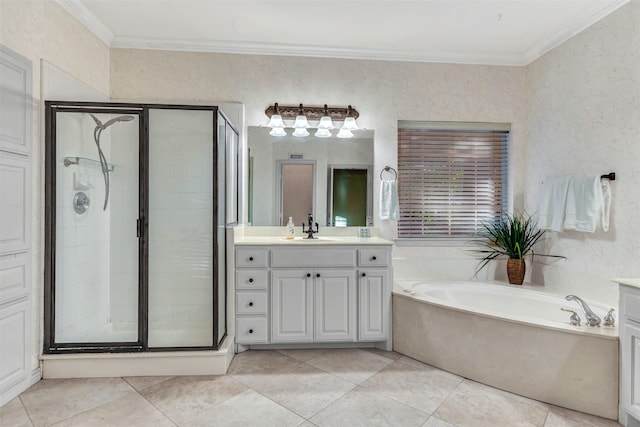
[(592, 318)]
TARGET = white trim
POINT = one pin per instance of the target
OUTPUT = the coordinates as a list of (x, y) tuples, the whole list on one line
[(88, 19), (36, 376), (256, 48), (575, 27)]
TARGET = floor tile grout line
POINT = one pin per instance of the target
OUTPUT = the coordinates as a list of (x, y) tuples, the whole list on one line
[(151, 403), (446, 398), (379, 393), (25, 409), (280, 405)]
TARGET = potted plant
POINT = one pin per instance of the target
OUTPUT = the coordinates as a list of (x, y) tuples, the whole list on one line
[(513, 237)]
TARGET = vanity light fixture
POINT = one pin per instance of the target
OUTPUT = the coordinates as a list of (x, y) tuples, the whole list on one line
[(348, 125), (302, 115), (301, 124), (276, 123)]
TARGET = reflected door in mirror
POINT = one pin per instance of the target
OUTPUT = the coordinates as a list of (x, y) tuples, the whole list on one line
[(297, 190), (349, 197)]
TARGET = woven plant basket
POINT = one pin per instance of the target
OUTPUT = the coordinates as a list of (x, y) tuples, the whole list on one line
[(516, 268)]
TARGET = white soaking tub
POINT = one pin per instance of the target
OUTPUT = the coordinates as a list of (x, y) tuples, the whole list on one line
[(510, 338)]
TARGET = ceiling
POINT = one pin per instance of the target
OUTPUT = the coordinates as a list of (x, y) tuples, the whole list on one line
[(507, 32)]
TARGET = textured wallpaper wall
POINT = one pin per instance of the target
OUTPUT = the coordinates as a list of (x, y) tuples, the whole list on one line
[(584, 117)]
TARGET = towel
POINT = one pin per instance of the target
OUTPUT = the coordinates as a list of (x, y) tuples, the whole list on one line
[(588, 204), (389, 207), (551, 214)]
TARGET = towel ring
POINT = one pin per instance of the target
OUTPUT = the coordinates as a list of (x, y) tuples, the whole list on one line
[(387, 169)]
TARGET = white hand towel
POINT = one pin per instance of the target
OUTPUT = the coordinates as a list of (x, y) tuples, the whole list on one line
[(586, 208), (389, 208), (551, 213)]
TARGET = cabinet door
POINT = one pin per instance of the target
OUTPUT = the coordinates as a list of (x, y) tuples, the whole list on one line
[(335, 305), (373, 305), (291, 306), (630, 374)]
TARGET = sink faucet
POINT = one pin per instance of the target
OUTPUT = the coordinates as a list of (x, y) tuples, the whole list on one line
[(592, 318), (310, 231)]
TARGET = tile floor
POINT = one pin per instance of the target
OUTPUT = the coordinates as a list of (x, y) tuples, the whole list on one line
[(346, 387)]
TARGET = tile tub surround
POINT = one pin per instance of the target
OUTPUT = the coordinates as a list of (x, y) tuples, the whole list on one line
[(576, 371), (290, 388)]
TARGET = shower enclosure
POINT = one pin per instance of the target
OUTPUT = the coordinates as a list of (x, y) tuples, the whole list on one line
[(135, 226)]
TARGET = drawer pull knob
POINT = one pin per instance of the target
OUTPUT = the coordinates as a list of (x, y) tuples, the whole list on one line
[(364, 274), (251, 280), (308, 274), (250, 258), (317, 274), (373, 258), (250, 304), (250, 331)]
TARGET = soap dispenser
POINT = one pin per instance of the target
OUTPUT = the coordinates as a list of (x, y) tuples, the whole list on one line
[(291, 229)]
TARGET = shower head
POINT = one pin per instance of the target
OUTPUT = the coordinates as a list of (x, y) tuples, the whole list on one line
[(102, 126)]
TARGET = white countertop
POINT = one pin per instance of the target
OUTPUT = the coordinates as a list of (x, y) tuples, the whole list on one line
[(629, 282), (318, 241)]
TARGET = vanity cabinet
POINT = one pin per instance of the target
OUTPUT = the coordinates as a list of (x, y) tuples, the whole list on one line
[(321, 294), (630, 354)]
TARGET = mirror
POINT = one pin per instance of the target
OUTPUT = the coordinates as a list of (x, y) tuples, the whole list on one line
[(333, 177)]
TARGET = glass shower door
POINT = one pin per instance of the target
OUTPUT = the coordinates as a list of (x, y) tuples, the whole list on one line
[(96, 244), (181, 232)]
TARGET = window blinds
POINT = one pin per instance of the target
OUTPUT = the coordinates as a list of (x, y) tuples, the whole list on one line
[(452, 177)]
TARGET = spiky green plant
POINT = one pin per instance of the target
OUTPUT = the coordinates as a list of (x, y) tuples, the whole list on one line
[(514, 237)]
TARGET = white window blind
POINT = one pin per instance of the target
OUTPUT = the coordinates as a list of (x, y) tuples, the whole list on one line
[(452, 177)]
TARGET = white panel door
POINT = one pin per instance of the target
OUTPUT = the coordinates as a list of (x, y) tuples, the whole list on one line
[(15, 211), (291, 306), (15, 102), (373, 305), (335, 305)]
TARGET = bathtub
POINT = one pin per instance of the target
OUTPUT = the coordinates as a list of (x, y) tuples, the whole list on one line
[(510, 338)]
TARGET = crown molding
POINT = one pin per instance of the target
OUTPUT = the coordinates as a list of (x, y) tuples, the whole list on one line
[(574, 28), (88, 19), (271, 49)]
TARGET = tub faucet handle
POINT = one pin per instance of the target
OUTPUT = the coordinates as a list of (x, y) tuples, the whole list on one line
[(609, 319), (574, 319)]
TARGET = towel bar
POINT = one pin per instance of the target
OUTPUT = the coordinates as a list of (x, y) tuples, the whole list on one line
[(611, 176)]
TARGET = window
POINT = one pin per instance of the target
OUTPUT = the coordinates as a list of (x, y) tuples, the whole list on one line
[(452, 177)]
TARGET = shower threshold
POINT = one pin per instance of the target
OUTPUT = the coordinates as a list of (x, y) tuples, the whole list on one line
[(169, 363)]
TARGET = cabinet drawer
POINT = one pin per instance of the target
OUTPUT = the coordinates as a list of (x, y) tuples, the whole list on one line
[(313, 257), (251, 279), (251, 302), (631, 305), (251, 330), (251, 257), (373, 257)]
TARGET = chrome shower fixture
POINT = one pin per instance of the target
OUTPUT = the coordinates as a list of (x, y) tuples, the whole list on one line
[(103, 160)]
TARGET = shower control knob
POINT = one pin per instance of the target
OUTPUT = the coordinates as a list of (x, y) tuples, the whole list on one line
[(251, 280)]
